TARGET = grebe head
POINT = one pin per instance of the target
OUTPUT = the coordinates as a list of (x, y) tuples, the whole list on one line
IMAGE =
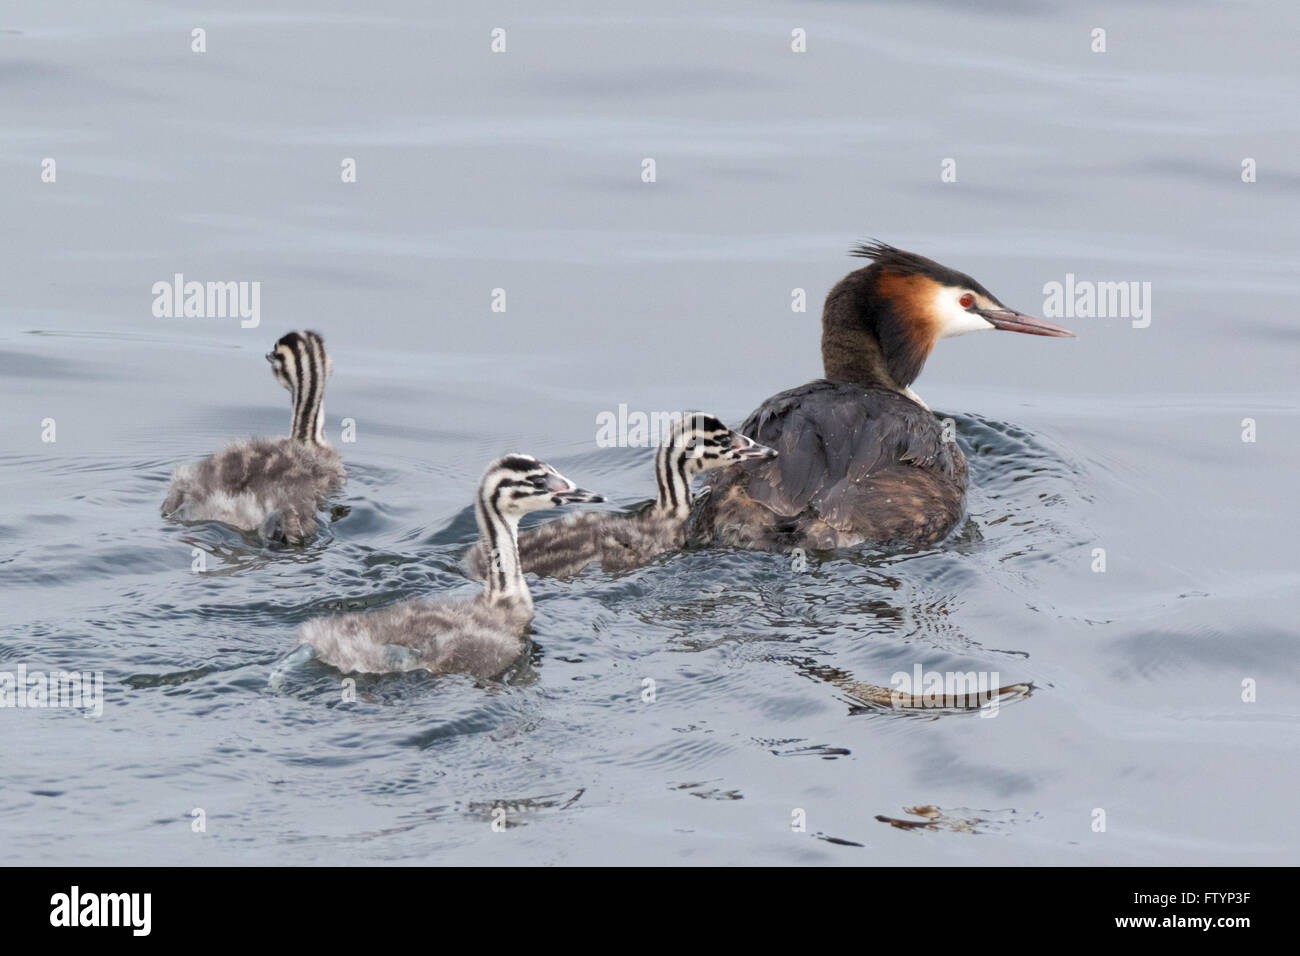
[(902, 304), (299, 363), (517, 484), (298, 357), (706, 443)]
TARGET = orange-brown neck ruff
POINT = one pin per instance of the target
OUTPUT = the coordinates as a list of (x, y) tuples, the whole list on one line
[(877, 328)]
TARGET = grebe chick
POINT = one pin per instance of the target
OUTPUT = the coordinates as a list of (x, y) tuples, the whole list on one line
[(696, 443), (274, 486), (481, 636), (862, 458)]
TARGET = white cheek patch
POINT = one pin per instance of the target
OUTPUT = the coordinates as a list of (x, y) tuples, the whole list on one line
[(953, 319)]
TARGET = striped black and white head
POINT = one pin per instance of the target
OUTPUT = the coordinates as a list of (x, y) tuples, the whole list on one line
[(697, 443), (701, 442), (300, 363), (514, 485), (511, 487)]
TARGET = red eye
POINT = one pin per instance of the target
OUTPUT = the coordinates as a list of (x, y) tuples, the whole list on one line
[(966, 300)]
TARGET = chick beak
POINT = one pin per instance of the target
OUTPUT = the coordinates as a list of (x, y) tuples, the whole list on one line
[(744, 448), (565, 492), (579, 496)]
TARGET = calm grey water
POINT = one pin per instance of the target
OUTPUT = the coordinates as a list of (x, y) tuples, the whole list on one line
[(522, 171)]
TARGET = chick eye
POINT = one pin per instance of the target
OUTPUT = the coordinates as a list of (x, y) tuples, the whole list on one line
[(966, 300)]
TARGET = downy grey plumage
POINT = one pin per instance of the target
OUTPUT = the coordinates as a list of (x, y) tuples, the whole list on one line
[(696, 443), (274, 486), (481, 636)]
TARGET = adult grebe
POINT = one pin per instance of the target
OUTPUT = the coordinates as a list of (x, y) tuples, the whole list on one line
[(862, 459), (696, 443), (273, 486)]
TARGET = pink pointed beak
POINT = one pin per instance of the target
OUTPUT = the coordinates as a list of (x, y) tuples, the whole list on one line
[(565, 492), (1010, 320), (744, 448)]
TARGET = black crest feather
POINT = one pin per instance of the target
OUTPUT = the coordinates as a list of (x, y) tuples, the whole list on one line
[(899, 261)]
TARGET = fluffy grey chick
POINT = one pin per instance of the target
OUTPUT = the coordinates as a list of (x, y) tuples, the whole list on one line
[(274, 486), (696, 443), (481, 636)]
